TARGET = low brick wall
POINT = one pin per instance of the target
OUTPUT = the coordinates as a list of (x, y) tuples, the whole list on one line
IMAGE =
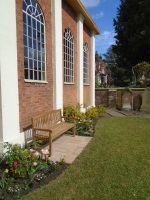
[(112, 97)]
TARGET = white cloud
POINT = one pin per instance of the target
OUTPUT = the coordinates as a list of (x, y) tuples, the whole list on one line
[(104, 41), (98, 15), (90, 3)]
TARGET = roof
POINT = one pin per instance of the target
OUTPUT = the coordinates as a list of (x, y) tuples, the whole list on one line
[(79, 8)]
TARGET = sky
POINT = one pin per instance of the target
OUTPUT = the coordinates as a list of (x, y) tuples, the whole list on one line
[(103, 12)]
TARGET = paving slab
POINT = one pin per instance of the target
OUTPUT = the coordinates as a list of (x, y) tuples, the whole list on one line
[(68, 147), (115, 113)]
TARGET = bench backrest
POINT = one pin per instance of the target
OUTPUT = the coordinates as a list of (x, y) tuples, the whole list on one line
[(51, 117)]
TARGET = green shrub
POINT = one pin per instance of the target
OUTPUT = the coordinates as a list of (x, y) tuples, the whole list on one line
[(92, 112), (101, 109), (72, 111), (84, 121)]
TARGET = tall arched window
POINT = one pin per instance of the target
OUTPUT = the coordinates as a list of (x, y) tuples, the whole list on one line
[(34, 41), (85, 64), (68, 56)]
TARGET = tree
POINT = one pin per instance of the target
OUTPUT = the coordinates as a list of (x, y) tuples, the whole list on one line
[(132, 27), (117, 73)]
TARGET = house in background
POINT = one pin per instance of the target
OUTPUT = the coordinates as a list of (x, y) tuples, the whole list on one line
[(47, 60), (101, 71)]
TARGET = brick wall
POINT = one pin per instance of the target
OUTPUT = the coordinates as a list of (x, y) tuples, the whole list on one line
[(34, 98), (86, 89), (113, 97), (69, 20)]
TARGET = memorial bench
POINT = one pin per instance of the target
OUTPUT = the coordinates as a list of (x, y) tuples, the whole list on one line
[(50, 125)]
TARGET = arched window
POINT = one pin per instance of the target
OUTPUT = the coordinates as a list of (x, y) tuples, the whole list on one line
[(68, 56), (34, 41), (85, 64)]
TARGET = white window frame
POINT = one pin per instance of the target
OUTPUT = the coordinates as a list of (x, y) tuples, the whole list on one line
[(85, 64), (34, 42), (68, 56)]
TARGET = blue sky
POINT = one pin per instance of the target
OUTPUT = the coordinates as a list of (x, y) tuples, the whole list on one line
[(103, 12)]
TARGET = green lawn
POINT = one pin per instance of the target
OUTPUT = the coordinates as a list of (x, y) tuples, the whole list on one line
[(115, 165)]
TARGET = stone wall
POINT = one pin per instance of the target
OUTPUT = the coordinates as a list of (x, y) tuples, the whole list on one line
[(112, 97)]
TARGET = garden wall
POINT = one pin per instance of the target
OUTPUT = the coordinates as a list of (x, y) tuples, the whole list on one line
[(112, 97)]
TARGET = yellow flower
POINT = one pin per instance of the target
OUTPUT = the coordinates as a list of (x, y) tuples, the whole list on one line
[(6, 171)]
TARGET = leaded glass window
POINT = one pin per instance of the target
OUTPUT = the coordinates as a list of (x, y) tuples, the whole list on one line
[(34, 41), (85, 64), (68, 56)]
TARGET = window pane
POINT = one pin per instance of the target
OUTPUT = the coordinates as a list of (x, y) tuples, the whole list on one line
[(31, 74), (35, 75), (35, 54), (34, 23), (26, 63), (29, 31), (30, 42), (43, 76), (30, 64), (31, 53), (26, 73), (34, 44), (35, 64), (38, 26), (43, 67), (24, 29), (25, 51), (39, 66), (39, 73), (25, 40), (29, 21)]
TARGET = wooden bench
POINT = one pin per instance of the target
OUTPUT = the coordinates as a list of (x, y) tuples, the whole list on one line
[(50, 125)]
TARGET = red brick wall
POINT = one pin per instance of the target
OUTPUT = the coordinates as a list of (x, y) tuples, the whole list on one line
[(86, 88), (34, 98), (69, 20)]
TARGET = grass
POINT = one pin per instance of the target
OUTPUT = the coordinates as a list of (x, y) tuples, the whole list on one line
[(114, 166)]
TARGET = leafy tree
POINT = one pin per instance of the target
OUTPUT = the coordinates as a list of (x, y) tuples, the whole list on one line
[(132, 27), (117, 73)]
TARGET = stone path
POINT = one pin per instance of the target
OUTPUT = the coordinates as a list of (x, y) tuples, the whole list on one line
[(68, 147), (114, 113)]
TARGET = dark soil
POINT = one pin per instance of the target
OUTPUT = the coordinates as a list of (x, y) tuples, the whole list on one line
[(51, 174)]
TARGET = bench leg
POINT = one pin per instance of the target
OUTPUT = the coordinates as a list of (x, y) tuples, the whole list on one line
[(34, 139), (50, 146), (74, 131)]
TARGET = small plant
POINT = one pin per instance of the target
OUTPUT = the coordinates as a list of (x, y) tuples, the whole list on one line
[(62, 161), (17, 159), (14, 191), (40, 176), (4, 181)]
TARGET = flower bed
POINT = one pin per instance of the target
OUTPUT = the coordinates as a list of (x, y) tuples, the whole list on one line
[(23, 169)]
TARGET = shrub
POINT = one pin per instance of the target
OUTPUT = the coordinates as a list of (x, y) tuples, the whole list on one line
[(84, 121), (92, 112), (72, 111)]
